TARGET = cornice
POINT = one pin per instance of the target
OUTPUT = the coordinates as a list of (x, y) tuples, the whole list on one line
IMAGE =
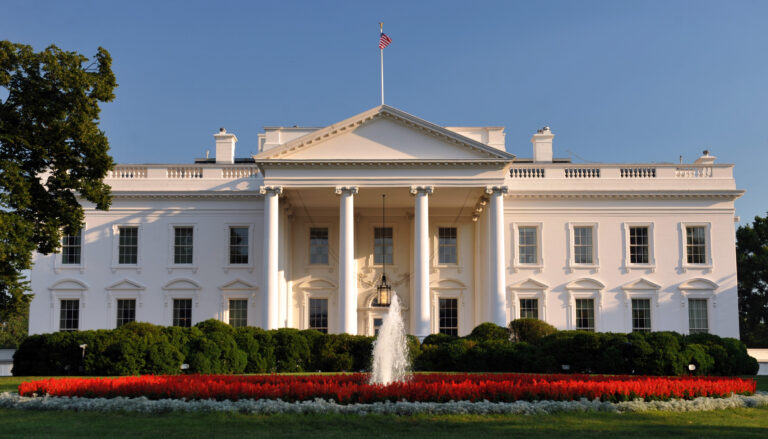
[(380, 163), (723, 194), (191, 194)]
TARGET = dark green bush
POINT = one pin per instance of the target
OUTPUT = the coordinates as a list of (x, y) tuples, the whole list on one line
[(436, 339), (292, 353), (258, 347), (489, 332), (529, 330), (215, 350)]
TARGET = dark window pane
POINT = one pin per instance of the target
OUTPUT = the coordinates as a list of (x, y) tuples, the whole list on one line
[(585, 314), (583, 245), (449, 316), (638, 245), (71, 248), (318, 315), (527, 245), (696, 245), (182, 245), (238, 312), (126, 311), (238, 245), (69, 315), (182, 312), (447, 245), (641, 315), (318, 245), (128, 245), (529, 308), (382, 245)]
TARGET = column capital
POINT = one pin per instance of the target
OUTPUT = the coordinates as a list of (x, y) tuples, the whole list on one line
[(341, 189), (490, 190), (427, 190), (277, 190)]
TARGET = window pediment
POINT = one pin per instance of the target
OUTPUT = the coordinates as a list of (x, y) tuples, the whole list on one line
[(318, 284), (448, 284), (238, 284), (126, 285), (69, 285), (641, 284), (698, 284), (529, 284), (181, 284), (585, 284)]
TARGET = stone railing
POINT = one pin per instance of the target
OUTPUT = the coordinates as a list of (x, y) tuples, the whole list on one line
[(153, 172), (128, 172)]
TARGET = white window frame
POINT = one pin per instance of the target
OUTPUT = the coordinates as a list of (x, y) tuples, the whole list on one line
[(436, 246), (628, 265), (114, 313), (121, 290), (449, 289), (249, 266), (527, 289), (538, 266), (572, 265), (641, 289), (585, 288), (395, 234), (319, 289), (708, 266), (238, 289), (171, 265), (58, 266), (331, 238), (181, 288), (699, 288), (116, 265)]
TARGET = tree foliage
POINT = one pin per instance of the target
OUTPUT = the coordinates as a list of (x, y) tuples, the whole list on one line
[(752, 267), (51, 153)]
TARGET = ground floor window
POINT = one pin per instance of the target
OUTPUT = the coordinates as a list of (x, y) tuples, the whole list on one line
[(585, 314), (126, 311), (238, 313), (182, 312), (449, 316), (641, 315), (698, 321), (318, 315), (529, 308), (69, 317), (377, 322)]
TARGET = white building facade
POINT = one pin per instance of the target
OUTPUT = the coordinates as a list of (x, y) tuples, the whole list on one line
[(294, 237)]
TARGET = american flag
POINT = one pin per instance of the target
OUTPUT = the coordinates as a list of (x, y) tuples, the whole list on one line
[(384, 40)]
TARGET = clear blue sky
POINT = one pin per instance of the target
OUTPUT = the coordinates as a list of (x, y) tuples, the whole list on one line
[(618, 81)]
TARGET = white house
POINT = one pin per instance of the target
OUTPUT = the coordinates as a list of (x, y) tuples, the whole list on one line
[(294, 237)]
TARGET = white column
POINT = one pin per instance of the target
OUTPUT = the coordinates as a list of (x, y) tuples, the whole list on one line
[(421, 326), (347, 273), (497, 262), (270, 305)]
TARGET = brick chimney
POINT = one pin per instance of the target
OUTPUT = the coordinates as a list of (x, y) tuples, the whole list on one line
[(542, 145), (225, 146)]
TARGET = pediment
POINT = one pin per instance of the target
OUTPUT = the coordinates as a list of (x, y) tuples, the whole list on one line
[(182, 284), (238, 284), (641, 284), (383, 133), (529, 284), (126, 284), (698, 284), (318, 284), (449, 284), (69, 285), (585, 284)]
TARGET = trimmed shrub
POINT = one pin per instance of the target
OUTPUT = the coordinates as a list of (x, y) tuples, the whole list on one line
[(214, 350), (258, 347), (530, 330), (292, 352), (437, 339), (489, 332)]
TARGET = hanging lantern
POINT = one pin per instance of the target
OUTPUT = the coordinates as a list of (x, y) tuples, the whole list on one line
[(383, 290)]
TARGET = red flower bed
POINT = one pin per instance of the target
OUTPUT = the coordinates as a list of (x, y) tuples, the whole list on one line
[(353, 388)]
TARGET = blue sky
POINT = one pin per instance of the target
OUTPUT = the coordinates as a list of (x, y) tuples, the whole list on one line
[(618, 81)]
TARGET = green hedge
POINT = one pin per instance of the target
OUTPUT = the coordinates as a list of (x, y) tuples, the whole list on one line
[(215, 347)]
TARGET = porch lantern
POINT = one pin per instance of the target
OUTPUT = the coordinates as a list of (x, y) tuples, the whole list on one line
[(383, 290)]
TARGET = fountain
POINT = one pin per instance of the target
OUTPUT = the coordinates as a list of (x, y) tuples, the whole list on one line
[(390, 350)]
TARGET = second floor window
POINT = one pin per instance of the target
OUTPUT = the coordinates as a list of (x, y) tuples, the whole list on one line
[(182, 245), (638, 245), (71, 248), (696, 245), (447, 251), (382, 245), (238, 245), (128, 245), (527, 243), (318, 245), (583, 245)]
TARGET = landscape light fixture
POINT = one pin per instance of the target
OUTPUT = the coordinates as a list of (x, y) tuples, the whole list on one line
[(383, 290)]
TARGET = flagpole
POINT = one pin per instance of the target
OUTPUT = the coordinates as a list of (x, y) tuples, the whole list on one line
[(381, 51)]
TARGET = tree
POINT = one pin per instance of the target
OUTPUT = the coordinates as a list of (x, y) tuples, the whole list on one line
[(51, 153), (752, 267)]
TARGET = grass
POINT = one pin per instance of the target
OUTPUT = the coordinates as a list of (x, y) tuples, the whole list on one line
[(742, 423)]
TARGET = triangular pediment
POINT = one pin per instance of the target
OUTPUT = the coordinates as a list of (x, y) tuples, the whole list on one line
[(182, 284), (318, 284), (238, 284), (585, 284), (698, 284), (642, 284), (449, 284), (126, 284), (383, 133), (529, 284)]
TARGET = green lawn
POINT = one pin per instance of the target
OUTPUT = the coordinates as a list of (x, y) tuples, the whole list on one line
[(742, 423)]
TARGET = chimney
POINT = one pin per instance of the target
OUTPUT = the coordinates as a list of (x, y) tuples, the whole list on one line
[(705, 159), (542, 145), (225, 146)]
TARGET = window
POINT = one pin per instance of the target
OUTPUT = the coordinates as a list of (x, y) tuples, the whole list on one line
[(182, 245), (582, 245), (71, 249), (639, 249), (585, 314), (128, 245), (69, 316), (641, 315), (529, 308), (238, 245), (382, 245), (318, 245), (318, 315), (238, 313), (695, 244), (698, 321), (126, 311), (446, 245), (182, 312), (377, 322), (449, 316), (527, 245)]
